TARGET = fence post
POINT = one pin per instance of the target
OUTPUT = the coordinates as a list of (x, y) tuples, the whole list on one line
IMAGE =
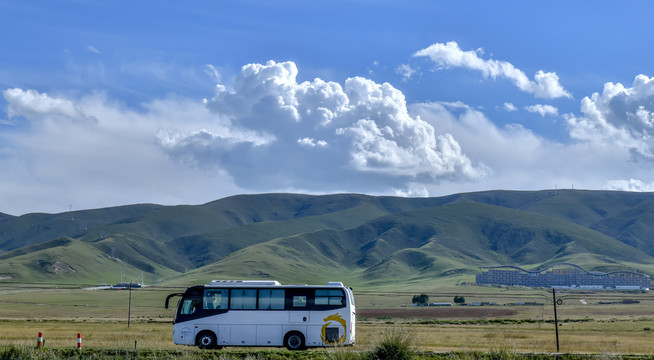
[(79, 341)]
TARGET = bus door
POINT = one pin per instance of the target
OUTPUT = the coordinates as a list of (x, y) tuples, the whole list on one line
[(297, 300)]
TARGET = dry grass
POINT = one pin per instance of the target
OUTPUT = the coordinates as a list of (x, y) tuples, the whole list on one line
[(605, 338), (613, 338), (108, 335)]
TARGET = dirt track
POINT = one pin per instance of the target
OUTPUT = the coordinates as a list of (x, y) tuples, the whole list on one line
[(438, 313)]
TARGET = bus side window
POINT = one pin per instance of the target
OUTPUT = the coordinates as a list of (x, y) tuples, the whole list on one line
[(216, 299), (299, 301), (271, 299), (243, 299), (329, 297)]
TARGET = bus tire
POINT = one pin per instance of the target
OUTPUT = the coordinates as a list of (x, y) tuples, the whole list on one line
[(206, 340), (294, 340)]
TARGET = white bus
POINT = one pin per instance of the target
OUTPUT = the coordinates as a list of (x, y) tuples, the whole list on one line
[(264, 313)]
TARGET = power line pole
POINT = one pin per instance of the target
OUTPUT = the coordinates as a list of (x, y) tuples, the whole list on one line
[(556, 319), (129, 311)]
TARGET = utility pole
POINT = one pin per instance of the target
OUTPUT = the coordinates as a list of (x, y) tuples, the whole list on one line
[(129, 309), (556, 319)]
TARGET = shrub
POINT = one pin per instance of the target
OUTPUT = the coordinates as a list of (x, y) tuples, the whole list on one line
[(502, 352), (394, 344)]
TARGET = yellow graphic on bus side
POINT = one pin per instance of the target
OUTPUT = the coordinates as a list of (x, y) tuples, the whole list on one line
[(328, 321)]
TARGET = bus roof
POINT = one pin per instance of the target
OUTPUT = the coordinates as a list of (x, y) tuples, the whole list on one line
[(239, 283)]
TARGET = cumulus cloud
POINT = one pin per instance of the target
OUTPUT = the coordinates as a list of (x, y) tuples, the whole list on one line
[(619, 116), (519, 158), (321, 136), (545, 84), (543, 110)]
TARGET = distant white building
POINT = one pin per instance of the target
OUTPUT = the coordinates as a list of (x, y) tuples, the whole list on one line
[(563, 275)]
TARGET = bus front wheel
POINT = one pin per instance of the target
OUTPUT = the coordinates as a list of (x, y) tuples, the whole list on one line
[(294, 340), (206, 340)]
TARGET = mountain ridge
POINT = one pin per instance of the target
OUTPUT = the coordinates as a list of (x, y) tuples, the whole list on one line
[(363, 238)]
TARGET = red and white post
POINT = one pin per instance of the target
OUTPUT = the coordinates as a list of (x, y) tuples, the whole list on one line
[(39, 340), (79, 341)]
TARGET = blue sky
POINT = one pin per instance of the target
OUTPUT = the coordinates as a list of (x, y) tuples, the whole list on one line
[(173, 102)]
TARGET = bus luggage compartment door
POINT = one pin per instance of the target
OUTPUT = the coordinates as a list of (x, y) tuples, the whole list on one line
[(223, 335), (243, 335)]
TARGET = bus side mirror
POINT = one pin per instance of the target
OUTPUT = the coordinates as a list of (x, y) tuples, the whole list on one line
[(168, 298)]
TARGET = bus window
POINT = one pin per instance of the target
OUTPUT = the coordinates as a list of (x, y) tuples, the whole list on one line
[(216, 299), (299, 301), (190, 306), (243, 299), (329, 297), (271, 299), (187, 307), (191, 302)]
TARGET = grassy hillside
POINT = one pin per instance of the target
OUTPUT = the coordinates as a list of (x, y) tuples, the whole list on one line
[(21, 231), (68, 261), (362, 239), (447, 241)]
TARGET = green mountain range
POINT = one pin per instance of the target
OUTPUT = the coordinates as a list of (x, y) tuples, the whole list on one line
[(364, 240)]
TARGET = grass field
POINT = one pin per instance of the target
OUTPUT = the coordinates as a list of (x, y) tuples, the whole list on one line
[(600, 323), (617, 337)]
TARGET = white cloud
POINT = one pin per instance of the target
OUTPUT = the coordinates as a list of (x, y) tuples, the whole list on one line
[(212, 72), (413, 190), (92, 49), (544, 85), (31, 104), (543, 110), (322, 136), (619, 116), (56, 155), (614, 127), (510, 107), (311, 142), (630, 185), (519, 158), (406, 71)]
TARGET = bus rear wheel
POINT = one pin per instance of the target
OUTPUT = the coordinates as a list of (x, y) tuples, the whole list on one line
[(206, 340), (294, 340)]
